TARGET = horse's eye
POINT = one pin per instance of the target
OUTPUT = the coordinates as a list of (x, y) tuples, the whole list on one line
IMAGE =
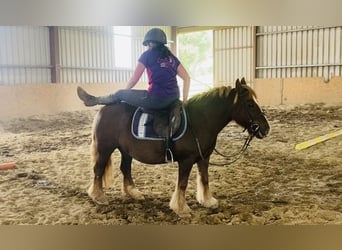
[(250, 105)]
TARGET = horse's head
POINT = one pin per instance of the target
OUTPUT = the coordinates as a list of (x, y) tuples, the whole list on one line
[(247, 112)]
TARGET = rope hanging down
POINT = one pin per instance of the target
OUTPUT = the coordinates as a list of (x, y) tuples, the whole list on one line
[(237, 154)]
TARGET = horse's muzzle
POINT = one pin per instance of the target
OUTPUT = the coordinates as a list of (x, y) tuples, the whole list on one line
[(257, 131)]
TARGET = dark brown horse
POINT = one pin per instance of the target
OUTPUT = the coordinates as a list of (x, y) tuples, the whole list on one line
[(208, 114)]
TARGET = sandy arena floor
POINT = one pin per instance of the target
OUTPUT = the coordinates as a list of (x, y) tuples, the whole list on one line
[(272, 184)]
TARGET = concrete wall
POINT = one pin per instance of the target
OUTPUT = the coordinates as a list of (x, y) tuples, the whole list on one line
[(298, 91), (34, 99)]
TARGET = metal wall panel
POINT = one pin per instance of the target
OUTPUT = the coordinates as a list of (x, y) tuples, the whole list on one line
[(233, 54), (298, 51), (86, 54), (24, 55)]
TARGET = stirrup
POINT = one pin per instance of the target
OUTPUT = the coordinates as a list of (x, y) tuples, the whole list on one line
[(170, 154)]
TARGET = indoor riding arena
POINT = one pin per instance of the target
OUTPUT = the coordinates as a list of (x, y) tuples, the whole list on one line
[(293, 176)]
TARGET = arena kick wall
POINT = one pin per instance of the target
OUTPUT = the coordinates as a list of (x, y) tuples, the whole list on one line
[(295, 91), (25, 100)]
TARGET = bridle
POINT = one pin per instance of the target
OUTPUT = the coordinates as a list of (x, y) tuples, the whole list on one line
[(253, 129), (252, 126)]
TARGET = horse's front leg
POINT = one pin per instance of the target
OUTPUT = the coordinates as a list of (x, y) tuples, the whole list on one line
[(128, 186), (203, 194), (178, 203)]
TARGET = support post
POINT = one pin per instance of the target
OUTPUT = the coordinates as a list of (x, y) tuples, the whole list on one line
[(54, 54)]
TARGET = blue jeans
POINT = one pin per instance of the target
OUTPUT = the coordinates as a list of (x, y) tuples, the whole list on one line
[(142, 98)]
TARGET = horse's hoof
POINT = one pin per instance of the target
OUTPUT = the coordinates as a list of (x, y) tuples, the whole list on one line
[(184, 215), (134, 193), (97, 196), (210, 203), (137, 195), (101, 201)]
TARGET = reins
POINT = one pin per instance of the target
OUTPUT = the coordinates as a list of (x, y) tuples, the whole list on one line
[(237, 155), (253, 129)]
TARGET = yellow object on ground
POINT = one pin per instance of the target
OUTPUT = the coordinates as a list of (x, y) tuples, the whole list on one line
[(316, 140)]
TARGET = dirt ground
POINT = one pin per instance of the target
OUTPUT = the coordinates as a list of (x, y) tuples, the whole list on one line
[(272, 184)]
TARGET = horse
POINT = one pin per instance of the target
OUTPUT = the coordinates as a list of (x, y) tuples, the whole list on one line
[(208, 113)]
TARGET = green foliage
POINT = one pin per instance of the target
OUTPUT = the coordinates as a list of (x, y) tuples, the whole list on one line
[(195, 52)]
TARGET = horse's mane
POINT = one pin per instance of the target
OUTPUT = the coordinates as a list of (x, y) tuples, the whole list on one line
[(250, 93), (210, 95), (217, 93)]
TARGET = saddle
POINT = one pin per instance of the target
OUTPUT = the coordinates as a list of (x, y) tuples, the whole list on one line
[(168, 124)]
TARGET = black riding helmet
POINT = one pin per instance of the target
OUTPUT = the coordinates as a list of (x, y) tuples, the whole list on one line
[(155, 35)]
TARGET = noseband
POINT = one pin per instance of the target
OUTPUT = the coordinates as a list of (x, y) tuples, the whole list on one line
[(252, 126)]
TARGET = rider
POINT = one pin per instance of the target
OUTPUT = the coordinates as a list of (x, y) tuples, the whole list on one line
[(162, 68)]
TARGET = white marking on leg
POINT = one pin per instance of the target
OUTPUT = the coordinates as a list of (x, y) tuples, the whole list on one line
[(203, 195), (178, 204), (200, 189), (174, 201)]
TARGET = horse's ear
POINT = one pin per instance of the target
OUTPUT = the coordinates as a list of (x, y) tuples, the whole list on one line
[(243, 81), (238, 85)]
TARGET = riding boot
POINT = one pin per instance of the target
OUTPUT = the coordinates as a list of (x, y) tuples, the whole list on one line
[(90, 100)]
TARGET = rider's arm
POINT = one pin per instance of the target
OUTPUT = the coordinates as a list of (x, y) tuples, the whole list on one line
[(139, 70), (181, 71)]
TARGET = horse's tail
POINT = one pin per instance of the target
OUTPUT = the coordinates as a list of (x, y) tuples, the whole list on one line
[(107, 178)]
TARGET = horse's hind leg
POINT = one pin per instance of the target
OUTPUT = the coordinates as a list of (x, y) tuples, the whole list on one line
[(203, 194), (128, 185), (178, 203), (101, 161)]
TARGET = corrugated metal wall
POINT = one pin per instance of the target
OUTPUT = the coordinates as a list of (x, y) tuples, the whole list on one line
[(277, 52), (86, 54), (298, 51), (24, 54), (233, 54)]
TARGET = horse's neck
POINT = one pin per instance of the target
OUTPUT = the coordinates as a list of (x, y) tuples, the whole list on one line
[(212, 117)]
